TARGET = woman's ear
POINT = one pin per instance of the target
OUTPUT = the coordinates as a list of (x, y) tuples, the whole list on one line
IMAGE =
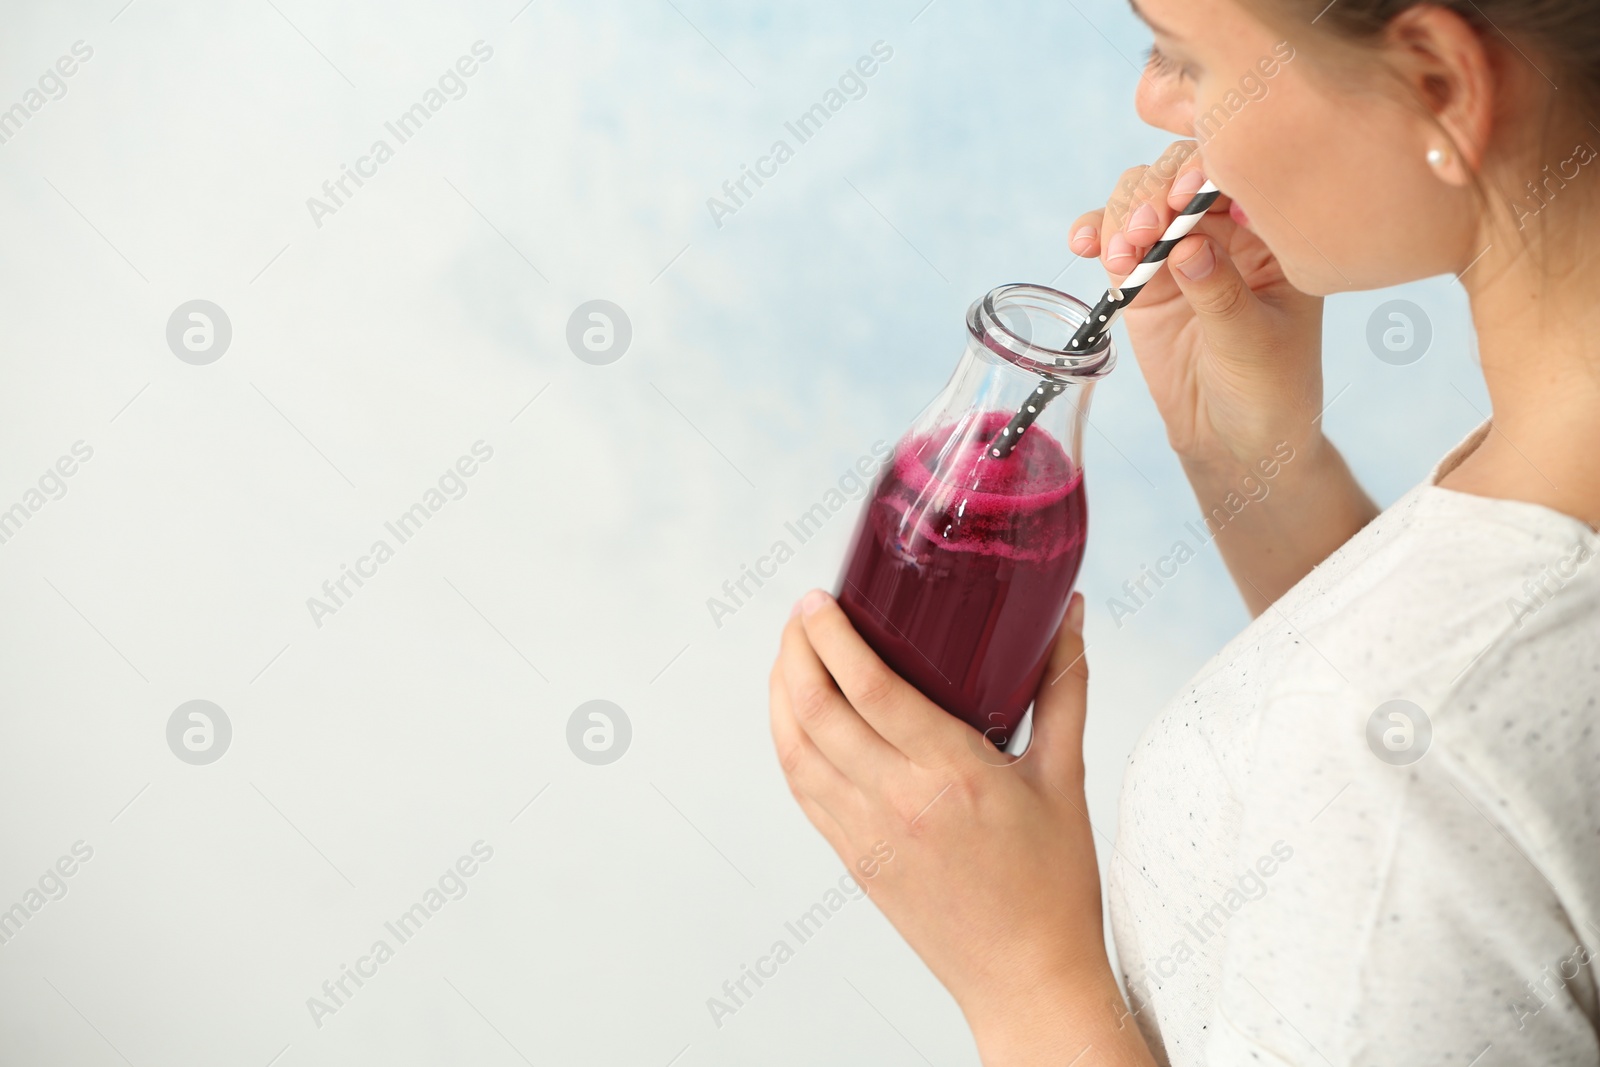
[(1455, 72)]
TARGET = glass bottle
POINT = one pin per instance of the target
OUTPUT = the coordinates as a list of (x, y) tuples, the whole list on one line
[(963, 559)]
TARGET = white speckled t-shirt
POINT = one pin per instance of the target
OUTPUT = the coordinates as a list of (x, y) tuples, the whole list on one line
[(1308, 872)]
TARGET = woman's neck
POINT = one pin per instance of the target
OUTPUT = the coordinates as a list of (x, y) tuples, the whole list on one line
[(1539, 344)]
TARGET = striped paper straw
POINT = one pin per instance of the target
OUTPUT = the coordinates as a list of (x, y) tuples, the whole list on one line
[(1098, 324)]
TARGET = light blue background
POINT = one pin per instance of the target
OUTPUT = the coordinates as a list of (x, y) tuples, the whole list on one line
[(369, 353)]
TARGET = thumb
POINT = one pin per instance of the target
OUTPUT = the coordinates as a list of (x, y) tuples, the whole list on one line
[(1059, 705), (1234, 319)]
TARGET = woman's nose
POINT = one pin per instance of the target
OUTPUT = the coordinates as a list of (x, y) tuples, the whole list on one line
[(1165, 104)]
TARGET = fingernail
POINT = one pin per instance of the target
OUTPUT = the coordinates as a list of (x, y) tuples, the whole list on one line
[(1075, 614), (1118, 247), (1188, 183), (1198, 265), (812, 601), (1084, 235), (1145, 218), (794, 610)]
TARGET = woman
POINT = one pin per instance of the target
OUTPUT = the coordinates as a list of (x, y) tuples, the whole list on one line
[(1307, 871)]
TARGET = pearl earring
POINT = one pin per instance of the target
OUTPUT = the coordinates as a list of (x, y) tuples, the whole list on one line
[(1436, 158)]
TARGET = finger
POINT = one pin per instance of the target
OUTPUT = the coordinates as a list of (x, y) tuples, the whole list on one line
[(1120, 255), (1146, 223), (1085, 240), (828, 718), (1233, 317), (1146, 190), (1140, 216), (1061, 703), (910, 721), (1191, 176), (1142, 208), (1121, 203), (809, 774)]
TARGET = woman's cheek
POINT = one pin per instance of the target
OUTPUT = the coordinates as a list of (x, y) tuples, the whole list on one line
[(1255, 162)]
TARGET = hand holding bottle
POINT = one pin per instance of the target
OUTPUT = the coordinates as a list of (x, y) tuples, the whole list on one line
[(991, 875)]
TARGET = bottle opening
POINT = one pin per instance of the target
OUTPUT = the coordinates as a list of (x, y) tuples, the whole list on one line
[(1032, 326)]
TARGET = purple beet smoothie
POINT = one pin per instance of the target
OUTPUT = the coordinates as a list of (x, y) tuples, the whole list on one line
[(959, 581)]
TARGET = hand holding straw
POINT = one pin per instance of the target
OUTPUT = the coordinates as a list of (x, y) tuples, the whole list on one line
[(1098, 324)]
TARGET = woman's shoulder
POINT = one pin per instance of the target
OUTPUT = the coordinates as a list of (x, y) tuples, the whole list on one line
[(1409, 601), (1481, 614), (1478, 623), (1444, 579)]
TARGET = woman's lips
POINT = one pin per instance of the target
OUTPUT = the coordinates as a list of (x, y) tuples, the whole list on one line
[(1236, 213)]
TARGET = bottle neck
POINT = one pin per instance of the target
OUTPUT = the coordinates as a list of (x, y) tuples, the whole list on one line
[(1031, 327)]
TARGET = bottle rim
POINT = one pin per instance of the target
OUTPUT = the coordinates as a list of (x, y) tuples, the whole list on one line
[(988, 326)]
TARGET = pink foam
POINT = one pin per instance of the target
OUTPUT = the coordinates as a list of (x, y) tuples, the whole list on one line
[(968, 500)]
